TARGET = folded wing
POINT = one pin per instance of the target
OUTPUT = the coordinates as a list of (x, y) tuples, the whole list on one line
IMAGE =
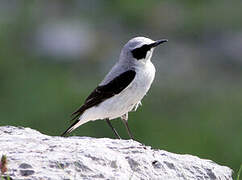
[(103, 92)]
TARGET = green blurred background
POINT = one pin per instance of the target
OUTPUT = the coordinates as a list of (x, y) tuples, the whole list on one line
[(53, 53)]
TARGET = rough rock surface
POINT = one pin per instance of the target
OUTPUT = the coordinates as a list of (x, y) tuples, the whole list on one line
[(32, 155)]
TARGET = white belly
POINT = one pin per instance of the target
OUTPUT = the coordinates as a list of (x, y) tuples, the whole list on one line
[(124, 102)]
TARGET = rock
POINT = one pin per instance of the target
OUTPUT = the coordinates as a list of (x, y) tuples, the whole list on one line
[(33, 155), (26, 172), (25, 166)]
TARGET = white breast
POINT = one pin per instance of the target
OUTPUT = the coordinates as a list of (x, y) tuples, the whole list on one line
[(144, 78)]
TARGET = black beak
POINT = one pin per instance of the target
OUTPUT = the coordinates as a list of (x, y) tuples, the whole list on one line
[(158, 42)]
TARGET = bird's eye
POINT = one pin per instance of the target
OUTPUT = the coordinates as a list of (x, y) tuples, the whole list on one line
[(140, 53)]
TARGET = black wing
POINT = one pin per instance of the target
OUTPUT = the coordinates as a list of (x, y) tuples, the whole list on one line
[(101, 93)]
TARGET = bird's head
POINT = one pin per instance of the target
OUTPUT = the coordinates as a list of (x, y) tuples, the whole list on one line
[(139, 49)]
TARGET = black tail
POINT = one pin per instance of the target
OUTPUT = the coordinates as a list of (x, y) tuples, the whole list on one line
[(69, 129)]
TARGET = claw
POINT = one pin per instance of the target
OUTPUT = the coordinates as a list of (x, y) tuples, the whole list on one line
[(136, 106)]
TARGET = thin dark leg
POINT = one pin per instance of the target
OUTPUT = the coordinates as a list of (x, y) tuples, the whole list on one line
[(114, 130), (127, 127)]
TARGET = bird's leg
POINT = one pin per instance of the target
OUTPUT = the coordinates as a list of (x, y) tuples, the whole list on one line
[(114, 130), (125, 121)]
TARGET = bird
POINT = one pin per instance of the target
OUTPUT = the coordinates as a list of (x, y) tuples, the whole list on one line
[(122, 89)]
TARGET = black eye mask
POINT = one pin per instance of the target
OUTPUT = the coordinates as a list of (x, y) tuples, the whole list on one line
[(140, 53)]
